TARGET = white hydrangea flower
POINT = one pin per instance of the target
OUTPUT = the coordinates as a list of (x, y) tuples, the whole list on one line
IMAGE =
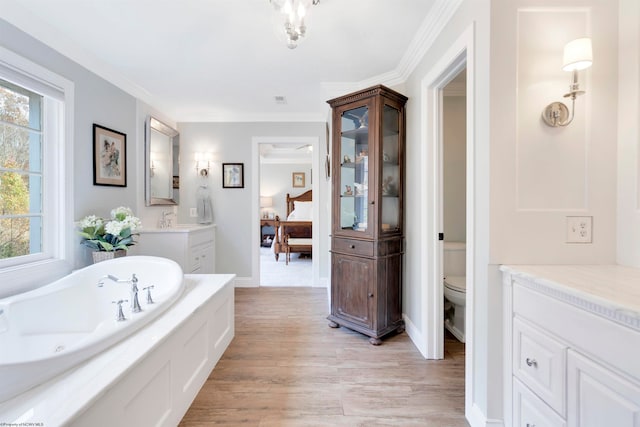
[(131, 222), (114, 227), (121, 213), (91, 221)]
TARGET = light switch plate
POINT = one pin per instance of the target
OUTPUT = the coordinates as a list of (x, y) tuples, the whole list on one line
[(193, 212), (579, 229)]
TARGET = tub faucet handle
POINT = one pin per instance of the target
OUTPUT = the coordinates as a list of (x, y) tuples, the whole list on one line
[(148, 289), (120, 314)]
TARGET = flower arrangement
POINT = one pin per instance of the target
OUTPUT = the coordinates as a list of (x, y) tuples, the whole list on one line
[(110, 235)]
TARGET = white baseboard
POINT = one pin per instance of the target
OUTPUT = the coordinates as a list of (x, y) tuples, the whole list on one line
[(477, 418), (415, 335)]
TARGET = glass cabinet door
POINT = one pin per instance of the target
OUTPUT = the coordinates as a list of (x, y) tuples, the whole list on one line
[(390, 179), (354, 169)]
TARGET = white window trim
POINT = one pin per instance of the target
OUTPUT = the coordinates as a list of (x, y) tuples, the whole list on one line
[(58, 191)]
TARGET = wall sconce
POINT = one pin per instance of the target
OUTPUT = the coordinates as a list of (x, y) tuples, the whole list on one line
[(203, 161), (577, 56)]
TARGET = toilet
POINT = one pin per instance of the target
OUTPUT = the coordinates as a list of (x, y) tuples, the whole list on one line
[(455, 287)]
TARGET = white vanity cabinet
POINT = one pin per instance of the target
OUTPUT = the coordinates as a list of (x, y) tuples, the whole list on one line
[(191, 246), (572, 346)]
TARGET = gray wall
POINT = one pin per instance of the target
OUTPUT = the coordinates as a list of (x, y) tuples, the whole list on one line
[(96, 101), (454, 171), (276, 182), (232, 208)]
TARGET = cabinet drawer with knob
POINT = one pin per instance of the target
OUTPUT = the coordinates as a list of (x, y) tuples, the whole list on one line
[(530, 411), (353, 247), (539, 361)]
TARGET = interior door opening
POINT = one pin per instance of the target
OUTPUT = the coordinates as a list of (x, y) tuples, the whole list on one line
[(453, 213)]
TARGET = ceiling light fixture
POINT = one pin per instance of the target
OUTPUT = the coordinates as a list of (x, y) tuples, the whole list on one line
[(294, 13)]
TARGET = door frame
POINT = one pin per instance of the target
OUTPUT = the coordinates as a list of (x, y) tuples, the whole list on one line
[(459, 55)]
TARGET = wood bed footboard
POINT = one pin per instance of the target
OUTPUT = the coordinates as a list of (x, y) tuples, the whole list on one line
[(292, 229)]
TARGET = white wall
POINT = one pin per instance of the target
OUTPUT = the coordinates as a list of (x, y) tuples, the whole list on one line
[(628, 232), (540, 175), (276, 182), (232, 208), (454, 168)]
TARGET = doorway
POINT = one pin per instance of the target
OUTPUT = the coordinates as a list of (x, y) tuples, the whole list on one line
[(282, 157), (459, 56), (453, 175)]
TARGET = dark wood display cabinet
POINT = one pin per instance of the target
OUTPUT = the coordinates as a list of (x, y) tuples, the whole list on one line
[(367, 218)]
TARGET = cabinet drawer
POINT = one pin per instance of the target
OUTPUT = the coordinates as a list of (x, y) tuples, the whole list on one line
[(540, 361), (530, 411), (353, 247)]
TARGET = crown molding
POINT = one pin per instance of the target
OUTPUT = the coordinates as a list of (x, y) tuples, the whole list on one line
[(431, 27)]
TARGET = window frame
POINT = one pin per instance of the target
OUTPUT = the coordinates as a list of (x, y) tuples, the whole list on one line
[(23, 273)]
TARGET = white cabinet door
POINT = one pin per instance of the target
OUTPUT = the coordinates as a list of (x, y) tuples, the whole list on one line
[(598, 397)]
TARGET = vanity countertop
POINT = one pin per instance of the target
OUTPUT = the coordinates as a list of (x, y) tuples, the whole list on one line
[(179, 228), (607, 290)]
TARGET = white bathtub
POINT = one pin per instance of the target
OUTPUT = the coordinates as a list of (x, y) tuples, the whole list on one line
[(47, 331)]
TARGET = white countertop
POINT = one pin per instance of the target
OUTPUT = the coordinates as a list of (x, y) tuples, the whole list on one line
[(608, 290)]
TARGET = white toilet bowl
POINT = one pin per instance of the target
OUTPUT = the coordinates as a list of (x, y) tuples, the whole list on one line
[(455, 288)]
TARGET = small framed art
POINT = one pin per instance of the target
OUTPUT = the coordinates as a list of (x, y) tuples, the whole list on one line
[(297, 179), (109, 157), (233, 175)]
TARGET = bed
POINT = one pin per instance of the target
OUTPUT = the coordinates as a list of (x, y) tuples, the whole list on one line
[(293, 235)]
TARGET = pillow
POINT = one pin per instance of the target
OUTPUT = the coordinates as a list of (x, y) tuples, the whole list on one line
[(302, 210)]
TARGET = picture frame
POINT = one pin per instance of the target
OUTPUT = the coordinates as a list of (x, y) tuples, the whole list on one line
[(109, 157), (233, 175), (297, 180)]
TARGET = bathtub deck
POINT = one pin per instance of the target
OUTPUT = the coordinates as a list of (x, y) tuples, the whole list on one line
[(66, 398)]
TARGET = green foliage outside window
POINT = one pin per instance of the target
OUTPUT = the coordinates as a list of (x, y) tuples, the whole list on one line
[(14, 173)]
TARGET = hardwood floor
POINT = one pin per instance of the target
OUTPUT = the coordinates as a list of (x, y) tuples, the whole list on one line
[(286, 367)]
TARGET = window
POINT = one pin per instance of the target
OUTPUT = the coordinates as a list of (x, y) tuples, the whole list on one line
[(20, 171), (36, 223)]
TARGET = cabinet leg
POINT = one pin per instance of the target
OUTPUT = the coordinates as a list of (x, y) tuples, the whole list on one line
[(375, 341), (400, 329), (333, 324)]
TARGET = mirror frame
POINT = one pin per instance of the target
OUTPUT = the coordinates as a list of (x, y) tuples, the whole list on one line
[(154, 124)]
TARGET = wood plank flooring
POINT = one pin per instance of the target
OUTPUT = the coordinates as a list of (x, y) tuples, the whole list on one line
[(286, 367)]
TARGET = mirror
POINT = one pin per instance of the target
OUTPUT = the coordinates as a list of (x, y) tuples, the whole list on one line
[(162, 153)]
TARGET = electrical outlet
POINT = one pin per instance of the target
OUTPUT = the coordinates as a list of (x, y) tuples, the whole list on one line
[(193, 212), (579, 229)]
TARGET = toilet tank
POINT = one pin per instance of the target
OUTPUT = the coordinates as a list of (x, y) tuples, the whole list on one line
[(455, 259)]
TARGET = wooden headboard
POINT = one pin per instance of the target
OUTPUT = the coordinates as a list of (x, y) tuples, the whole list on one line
[(304, 197)]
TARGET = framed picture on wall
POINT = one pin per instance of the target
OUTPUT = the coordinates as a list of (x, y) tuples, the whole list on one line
[(233, 175), (109, 157), (298, 179)]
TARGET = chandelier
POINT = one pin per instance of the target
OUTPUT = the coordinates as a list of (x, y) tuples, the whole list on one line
[(293, 12)]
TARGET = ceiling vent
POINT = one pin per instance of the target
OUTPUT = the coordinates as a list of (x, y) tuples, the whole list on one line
[(282, 100)]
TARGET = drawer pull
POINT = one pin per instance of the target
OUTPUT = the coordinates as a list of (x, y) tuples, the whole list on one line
[(534, 363), (370, 295), (531, 425), (352, 246)]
